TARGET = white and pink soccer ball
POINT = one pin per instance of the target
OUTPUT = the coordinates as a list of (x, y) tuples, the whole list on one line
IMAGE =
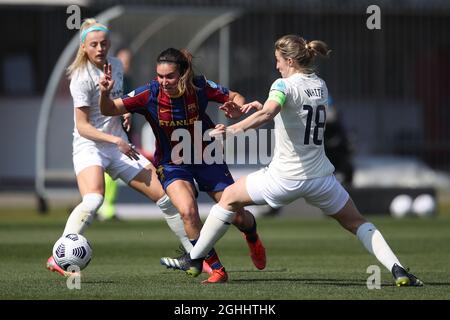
[(72, 250)]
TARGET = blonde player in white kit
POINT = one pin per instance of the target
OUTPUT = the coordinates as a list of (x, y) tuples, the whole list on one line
[(297, 103), (100, 143)]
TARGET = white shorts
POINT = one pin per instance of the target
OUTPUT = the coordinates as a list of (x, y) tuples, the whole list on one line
[(114, 162), (326, 193)]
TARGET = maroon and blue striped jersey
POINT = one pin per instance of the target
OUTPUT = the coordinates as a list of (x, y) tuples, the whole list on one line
[(166, 114)]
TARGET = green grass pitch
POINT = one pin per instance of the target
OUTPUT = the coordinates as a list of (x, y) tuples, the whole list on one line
[(307, 259)]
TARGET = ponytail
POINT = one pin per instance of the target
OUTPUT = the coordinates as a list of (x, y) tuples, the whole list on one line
[(301, 51), (186, 82), (319, 48)]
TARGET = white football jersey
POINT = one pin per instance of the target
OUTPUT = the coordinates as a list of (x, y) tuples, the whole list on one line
[(299, 152), (85, 92)]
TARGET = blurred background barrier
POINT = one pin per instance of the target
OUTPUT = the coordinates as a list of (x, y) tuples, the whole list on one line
[(385, 200)]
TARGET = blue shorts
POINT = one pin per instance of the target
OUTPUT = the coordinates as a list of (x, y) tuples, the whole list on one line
[(209, 177)]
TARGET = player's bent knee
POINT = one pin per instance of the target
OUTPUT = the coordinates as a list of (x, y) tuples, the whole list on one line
[(189, 213), (227, 200)]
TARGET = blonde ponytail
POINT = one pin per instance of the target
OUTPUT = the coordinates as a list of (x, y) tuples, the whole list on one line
[(301, 51), (319, 47)]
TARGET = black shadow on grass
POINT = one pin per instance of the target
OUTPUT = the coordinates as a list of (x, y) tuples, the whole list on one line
[(335, 282), (254, 270), (437, 284), (99, 282), (321, 282)]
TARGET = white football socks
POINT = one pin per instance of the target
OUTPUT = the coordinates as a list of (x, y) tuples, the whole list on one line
[(83, 214), (374, 242), (174, 221), (214, 228)]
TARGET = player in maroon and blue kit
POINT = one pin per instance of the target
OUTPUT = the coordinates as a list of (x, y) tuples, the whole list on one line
[(178, 99)]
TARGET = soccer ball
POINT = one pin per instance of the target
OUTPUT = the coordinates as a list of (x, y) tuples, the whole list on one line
[(424, 205), (401, 206), (72, 250)]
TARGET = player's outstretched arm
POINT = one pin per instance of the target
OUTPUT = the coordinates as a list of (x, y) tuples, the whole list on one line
[(109, 107), (232, 108), (264, 114)]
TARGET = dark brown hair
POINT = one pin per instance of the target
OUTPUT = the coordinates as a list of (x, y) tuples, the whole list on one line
[(183, 60)]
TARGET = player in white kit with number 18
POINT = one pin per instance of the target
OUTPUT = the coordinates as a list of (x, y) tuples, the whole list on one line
[(297, 103)]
